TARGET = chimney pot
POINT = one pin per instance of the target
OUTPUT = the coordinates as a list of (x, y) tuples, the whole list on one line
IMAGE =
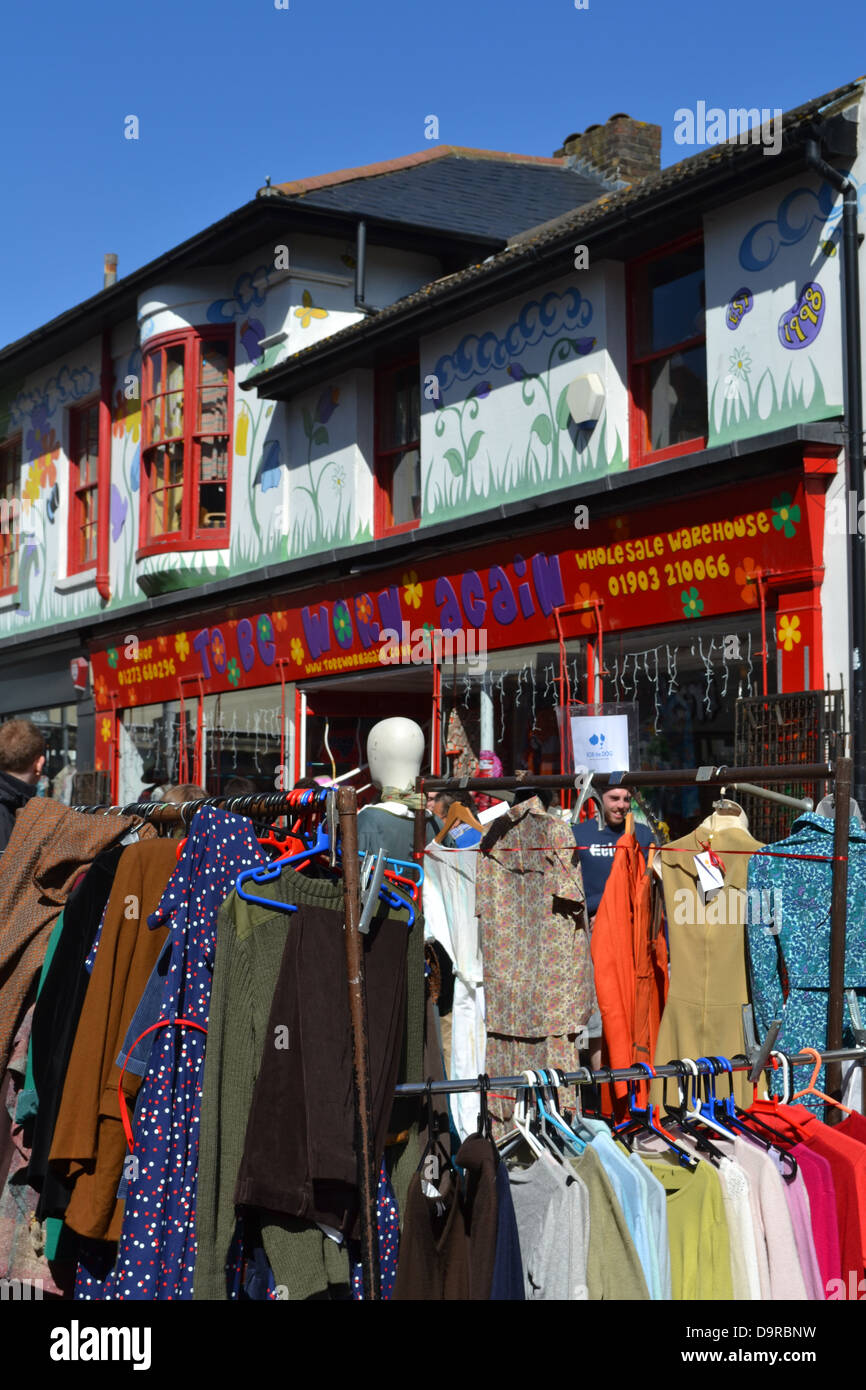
[(622, 148), (109, 269)]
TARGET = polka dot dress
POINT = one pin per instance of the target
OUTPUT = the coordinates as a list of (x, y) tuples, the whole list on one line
[(388, 1218), (156, 1253)]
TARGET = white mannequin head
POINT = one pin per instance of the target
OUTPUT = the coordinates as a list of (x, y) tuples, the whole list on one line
[(395, 748)]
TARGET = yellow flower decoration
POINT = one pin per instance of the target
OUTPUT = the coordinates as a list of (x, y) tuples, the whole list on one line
[(788, 631), (105, 730), (31, 487), (181, 646), (308, 310), (412, 591), (101, 690), (298, 650)]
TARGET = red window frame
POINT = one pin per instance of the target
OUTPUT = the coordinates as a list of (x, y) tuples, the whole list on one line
[(640, 451), (10, 532), (383, 515), (77, 516), (190, 535)]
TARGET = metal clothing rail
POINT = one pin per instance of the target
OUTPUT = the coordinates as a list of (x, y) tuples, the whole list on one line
[(587, 1077), (839, 773), (343, 803)]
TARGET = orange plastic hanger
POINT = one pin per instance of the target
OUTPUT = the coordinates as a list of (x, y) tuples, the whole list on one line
[(458, 812), (810, 1089)]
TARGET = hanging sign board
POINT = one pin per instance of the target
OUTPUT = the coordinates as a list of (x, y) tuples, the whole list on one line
[(679, 562)]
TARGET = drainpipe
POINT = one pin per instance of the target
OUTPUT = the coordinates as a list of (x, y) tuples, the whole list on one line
[(853, 458), (103, 476), (361, 270)]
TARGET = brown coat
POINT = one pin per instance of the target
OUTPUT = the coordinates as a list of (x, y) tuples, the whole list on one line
[(89, 1144), (49, 847)]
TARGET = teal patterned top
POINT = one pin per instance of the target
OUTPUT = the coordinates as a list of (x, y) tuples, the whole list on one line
[(788, 937)]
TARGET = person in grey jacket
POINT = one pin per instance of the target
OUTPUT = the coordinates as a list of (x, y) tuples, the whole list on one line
[(22, 758)]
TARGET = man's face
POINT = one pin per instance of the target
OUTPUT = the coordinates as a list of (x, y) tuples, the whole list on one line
[(615, 804)]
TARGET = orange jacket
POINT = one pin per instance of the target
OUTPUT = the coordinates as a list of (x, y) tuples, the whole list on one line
[(630, 962)]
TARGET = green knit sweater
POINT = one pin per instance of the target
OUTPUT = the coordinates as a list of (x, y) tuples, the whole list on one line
[(250, 942)]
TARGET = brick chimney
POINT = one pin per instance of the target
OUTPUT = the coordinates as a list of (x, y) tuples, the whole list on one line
[(620, 149)]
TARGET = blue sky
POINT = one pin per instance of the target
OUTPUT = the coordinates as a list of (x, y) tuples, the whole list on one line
[(229, 91)]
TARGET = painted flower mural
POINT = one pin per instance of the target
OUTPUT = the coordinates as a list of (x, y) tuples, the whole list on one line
[(740, 363), (788, 631), (250, 333), (412, 590), (181, 645), (281, 622), (743, 576), (785, 515), (308, 311), (298, 653), (693, 604), (342, 624), (363, 608), (585, 597), (234, 672), (113, 657), (105, 730)]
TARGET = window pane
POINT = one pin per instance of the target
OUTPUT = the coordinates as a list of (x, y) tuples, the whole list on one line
[(674, 309), (212, 506), (166, 492), (213, 408), (214, 459), (400, 424), (214, 364), (174, 369), (174, 415), (678, 399), (406, 487), (156, 374)]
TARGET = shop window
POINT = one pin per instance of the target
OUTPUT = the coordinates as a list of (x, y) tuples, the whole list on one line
[(187, 425), (10, 512), (83, 486), (398, 449), (667, 352)]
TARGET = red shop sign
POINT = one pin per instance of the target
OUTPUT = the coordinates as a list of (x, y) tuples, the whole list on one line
[(678, 562)]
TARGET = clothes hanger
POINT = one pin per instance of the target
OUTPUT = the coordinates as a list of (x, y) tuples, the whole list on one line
[(686, 1122), (521, 1120), (553, 1116), (647, 1119), (810, 1089), (761, 1134), (430, 1165), (458, 812), (827, 808), (485, 1123), (695, 1111)]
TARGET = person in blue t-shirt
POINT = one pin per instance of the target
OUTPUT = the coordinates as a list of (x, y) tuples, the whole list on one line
[(596, 846)]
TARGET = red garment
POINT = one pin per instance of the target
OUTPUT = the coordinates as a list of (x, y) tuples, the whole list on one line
[(847, 1160), (823, 1210), (630, 961)]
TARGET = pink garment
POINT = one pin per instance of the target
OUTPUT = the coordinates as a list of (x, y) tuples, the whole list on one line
[(779, 1266), (818, 1177), (797, 1198)]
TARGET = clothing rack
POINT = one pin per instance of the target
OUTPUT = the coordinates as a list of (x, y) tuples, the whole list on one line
[(587, 1077), (839, 773), (340, 806)]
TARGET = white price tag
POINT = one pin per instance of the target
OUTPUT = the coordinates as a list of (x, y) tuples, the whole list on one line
[(710, 878)]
